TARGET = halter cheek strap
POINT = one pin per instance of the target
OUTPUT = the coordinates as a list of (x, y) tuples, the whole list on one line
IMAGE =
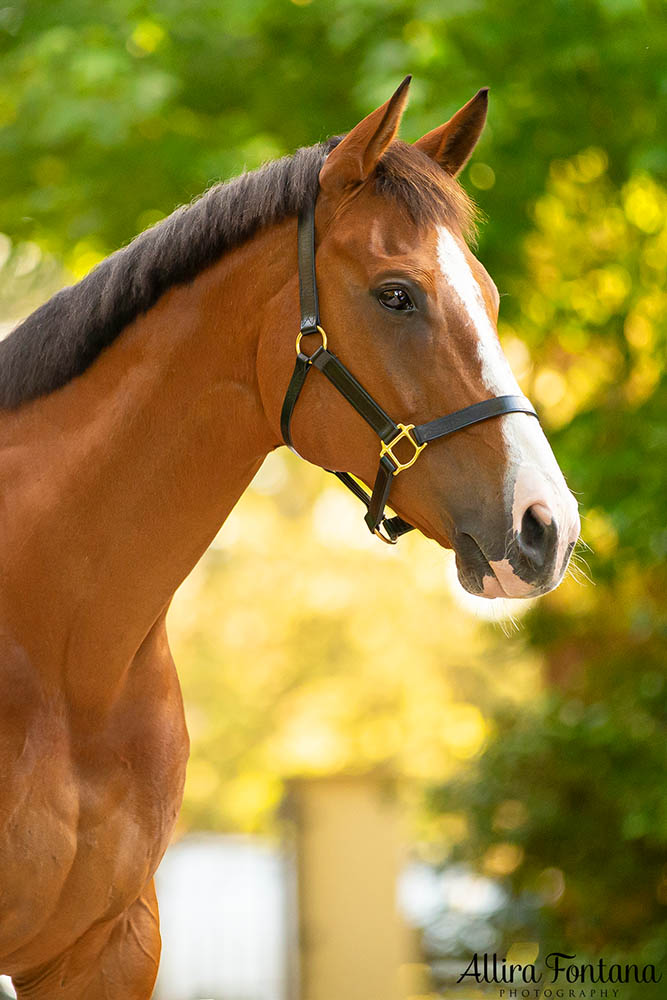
[(389, 529)]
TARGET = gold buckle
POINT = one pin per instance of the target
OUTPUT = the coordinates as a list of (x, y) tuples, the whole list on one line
[(386, 449), (385, 538), (321, 333)]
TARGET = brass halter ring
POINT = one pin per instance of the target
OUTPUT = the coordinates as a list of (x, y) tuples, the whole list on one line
[(385, 538), (308, 334)]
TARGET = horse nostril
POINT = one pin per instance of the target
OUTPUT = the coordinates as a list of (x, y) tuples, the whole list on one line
[(541, 512), (538, 535)]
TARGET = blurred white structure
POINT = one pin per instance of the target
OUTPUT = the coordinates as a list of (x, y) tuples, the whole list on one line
[(224, 919)]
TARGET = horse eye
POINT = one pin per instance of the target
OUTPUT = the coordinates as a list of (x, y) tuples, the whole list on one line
[(395, 298)]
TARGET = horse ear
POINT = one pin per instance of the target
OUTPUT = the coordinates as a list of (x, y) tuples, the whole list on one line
[(451, 144), (357, 155)]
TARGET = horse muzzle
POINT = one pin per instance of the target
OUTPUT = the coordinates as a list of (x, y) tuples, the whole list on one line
[(529, 560)]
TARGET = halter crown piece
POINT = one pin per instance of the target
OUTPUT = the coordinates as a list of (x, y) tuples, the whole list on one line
[(389, 529)]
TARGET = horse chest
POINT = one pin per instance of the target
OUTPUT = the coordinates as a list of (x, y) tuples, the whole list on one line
[(86, 810)]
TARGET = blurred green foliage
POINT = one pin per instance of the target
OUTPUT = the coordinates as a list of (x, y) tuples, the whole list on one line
[(114, 113), (568, 802), (111, 115)]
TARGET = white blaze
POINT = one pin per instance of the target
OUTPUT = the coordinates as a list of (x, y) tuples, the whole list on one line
[(496, 372), (532, 475)]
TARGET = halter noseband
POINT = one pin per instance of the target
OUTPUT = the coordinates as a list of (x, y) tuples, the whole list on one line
[(389, 529)]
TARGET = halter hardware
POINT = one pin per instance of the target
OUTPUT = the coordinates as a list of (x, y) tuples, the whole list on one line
[(389, 529), (307, 333), (404, 433), (388, 539)]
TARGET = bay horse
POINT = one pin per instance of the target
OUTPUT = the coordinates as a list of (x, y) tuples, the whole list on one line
[(135, 409)]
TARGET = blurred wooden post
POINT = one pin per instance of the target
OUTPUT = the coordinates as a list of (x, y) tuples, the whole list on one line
[(348, 856)]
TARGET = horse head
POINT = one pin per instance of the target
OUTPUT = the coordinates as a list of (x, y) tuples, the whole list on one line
[(412, 313)]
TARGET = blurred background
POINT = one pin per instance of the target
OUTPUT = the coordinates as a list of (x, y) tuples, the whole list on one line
[(383, 778)]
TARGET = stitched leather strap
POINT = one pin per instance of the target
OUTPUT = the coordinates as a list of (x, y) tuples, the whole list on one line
[(301, 369), (310, 309), (310, 316), (380, 494), (469, 415), (354, 393)]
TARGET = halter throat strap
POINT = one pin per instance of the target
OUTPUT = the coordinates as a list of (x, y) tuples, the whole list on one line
[(389, 529)]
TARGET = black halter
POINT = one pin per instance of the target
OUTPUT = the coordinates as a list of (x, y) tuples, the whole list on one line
[(390, 433)]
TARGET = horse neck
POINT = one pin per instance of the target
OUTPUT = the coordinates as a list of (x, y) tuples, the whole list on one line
[(122, 478)]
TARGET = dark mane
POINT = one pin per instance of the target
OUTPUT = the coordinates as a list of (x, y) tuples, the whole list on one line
[(62, 338)]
